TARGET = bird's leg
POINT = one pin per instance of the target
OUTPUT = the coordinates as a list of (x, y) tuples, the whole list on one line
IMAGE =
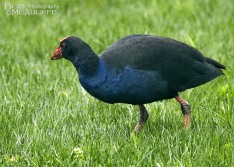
[(185, 108), (143, 118)]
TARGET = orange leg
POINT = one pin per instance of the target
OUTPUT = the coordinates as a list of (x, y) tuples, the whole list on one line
[(185, 107)]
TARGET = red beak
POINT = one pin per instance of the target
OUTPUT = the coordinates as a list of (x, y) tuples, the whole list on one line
[(57, 54)]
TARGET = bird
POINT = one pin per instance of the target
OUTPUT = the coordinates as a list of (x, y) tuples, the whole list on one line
[(139, 69)]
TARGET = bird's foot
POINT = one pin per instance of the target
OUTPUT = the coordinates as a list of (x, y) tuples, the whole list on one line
[(187, 120), (185, 108), (143, 118), (138, 127)]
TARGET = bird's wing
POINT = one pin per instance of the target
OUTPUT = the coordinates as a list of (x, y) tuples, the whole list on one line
[(181, 65)]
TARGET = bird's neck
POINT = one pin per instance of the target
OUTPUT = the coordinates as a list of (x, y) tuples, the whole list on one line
[(87, 63)]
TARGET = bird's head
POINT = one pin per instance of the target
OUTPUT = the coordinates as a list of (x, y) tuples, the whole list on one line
[(69, 48)]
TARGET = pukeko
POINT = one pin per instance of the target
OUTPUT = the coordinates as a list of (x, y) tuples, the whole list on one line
[(139, 69)]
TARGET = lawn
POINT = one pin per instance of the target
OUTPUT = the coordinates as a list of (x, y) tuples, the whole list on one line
[(48, 119)]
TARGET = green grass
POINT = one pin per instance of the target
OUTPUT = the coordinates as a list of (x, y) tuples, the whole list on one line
[(47, 118)]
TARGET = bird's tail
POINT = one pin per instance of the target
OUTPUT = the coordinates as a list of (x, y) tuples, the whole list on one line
[(215, 63)]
